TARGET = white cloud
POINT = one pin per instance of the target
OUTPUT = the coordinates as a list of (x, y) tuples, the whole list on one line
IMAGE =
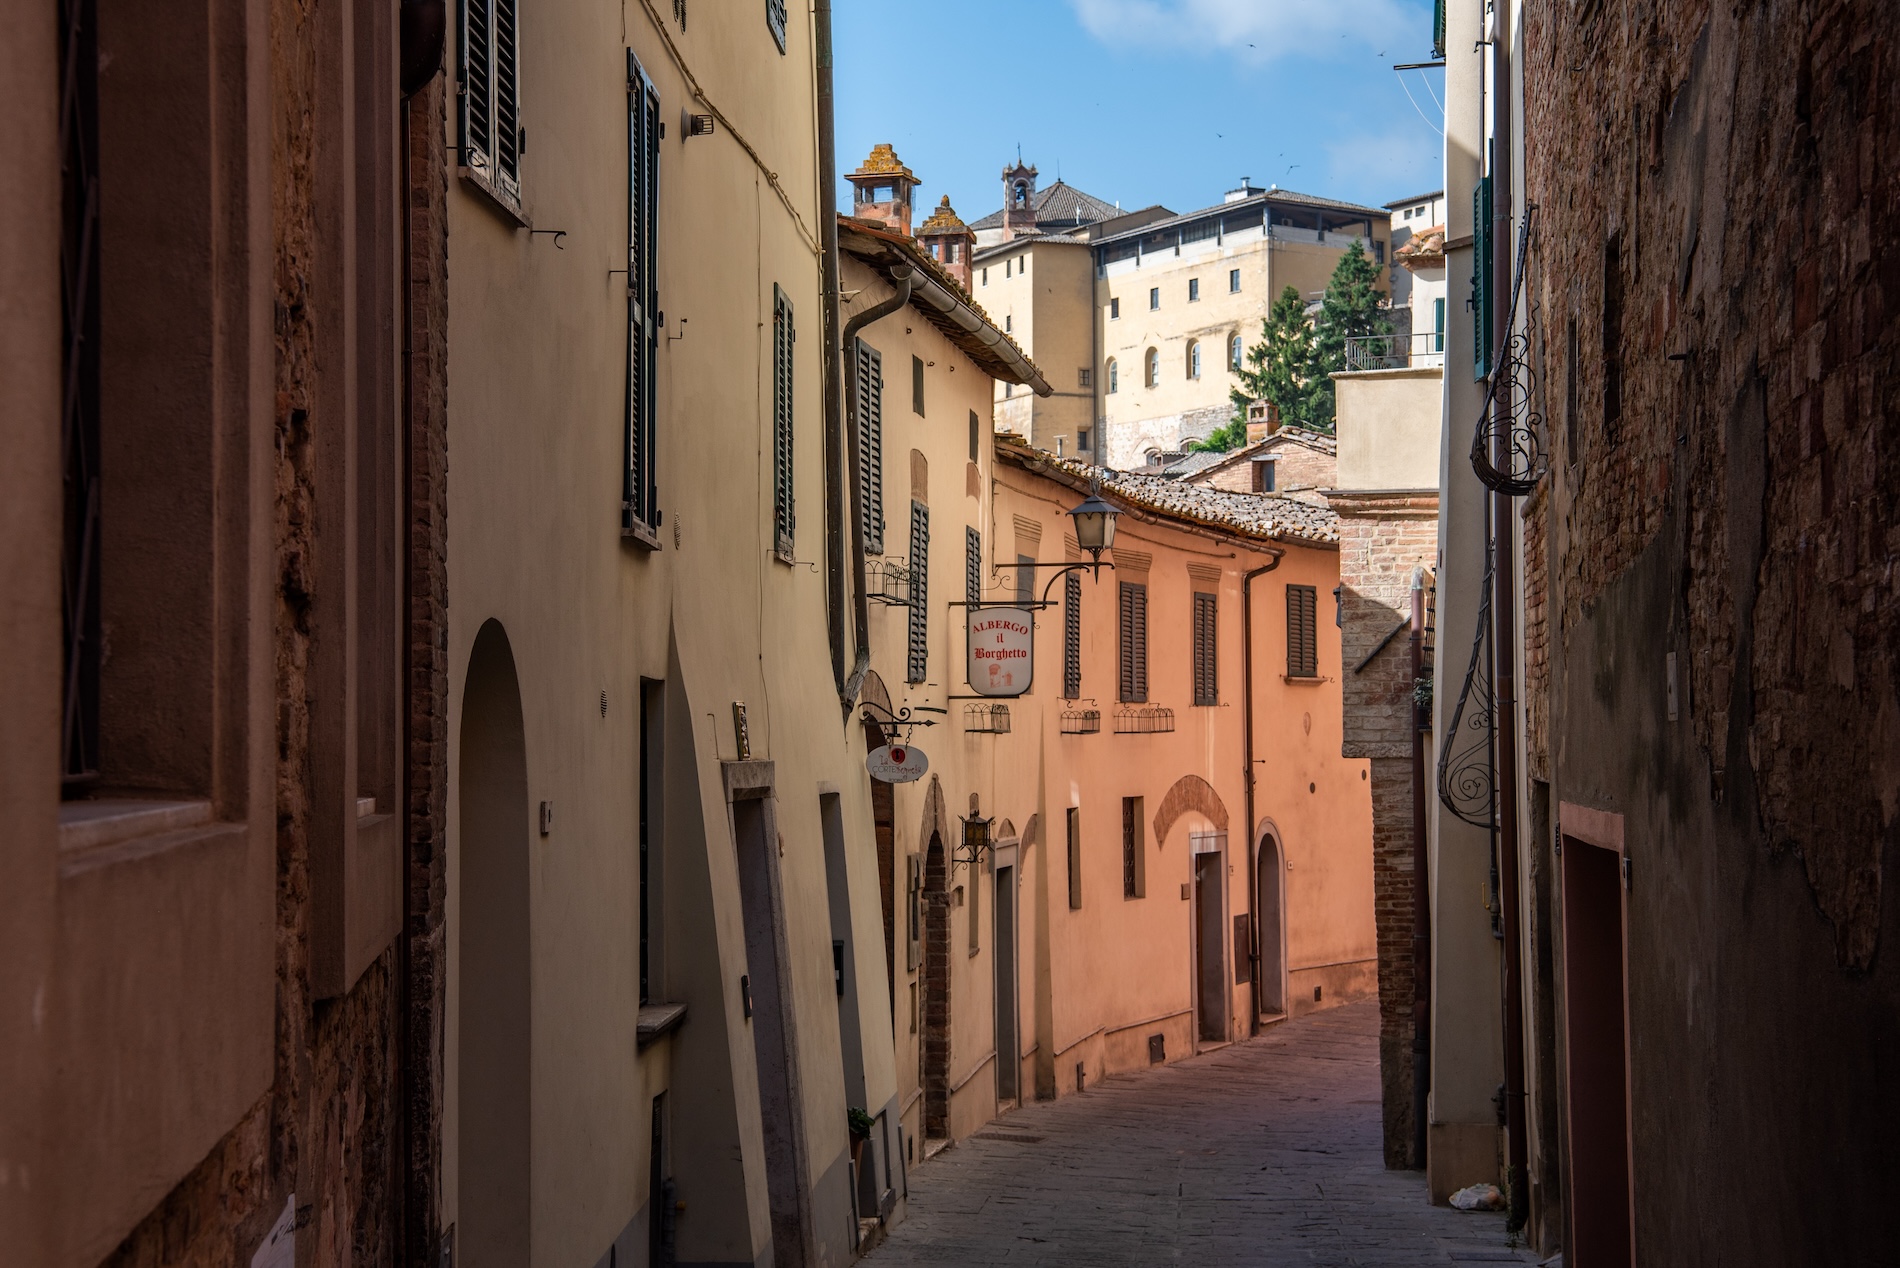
[(1405, 162), (1258, 29)]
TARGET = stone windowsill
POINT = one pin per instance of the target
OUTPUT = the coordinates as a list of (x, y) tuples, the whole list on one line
[(657, 1020), (85, 825)]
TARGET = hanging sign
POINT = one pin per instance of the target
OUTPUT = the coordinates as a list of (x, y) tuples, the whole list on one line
[(1002, 643), (897, 763)]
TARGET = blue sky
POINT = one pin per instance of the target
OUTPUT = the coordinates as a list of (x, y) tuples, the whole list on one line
[(1142, 101)]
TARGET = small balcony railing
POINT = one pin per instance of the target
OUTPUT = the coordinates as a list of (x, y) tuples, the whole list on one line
[(1396, 352)]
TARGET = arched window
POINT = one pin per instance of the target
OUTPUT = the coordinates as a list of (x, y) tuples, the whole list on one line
[(1235, 352), (1154, 368), (1114, 376), (1022, 194), (1194, 359)]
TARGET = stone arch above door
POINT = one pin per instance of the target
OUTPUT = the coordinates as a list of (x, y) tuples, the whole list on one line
[(934, 819), (1190, 792)]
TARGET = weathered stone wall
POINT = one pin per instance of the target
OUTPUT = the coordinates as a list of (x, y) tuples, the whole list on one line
[(1718, 308)]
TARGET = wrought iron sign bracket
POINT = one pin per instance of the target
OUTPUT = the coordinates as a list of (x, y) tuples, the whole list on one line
[(900, 720)]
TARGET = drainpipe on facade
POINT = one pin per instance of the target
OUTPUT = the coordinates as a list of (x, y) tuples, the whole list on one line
[(834, 393), (1421, 893), (1246, 745), (1504, 643), (848, 689)]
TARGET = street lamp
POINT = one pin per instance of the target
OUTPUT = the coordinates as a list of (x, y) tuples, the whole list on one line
[(1094, 522)]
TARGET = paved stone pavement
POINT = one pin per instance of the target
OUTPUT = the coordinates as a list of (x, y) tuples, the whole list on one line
[(1263, 1153)]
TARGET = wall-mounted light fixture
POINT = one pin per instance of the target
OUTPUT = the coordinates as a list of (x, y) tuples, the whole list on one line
[(692, 125)]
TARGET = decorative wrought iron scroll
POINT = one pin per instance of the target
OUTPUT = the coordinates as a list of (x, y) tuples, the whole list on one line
[(1466, 775), (1511, 401)]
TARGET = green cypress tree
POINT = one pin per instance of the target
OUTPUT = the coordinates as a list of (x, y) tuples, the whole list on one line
[(1351, 310), (1278, 369)]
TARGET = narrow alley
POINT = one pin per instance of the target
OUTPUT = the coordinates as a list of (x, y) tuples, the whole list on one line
[(1263, 1153)]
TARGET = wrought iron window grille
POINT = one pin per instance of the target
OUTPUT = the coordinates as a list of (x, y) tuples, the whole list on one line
[(986, 719), (1082, 721), (1514, 461), (1144, 720)]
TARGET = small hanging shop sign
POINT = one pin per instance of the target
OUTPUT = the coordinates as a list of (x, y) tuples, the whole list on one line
[(897, 763), (1002, 643)]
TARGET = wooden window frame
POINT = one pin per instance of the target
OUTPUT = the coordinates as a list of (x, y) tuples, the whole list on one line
[(488, 96), (784, 492), (1134, 848), (1205, 641), (1132, 641), (917, 661), (1073, 823), (1302, 632)]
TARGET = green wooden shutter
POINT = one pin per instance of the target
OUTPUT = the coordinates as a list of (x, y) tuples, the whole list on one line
[(870, 372), (918, 667), (1206, 670), (1134, 642), (1072, 635), (775, 21), (507, 101), (784, 518), (475, 84), (1302, 634), (1481, 278), (1438, 31), (640, 515), (972, 566)]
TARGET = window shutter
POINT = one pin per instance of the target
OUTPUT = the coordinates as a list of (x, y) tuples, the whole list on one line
[(784, 520), (639, 493), (1302, 636), (1134, 643), (1438, 31), (1481, 278), (507, 101), (1072, 636), (477, 85), (972, 565), (871, 445), (917, 386), (919, 666), (775, 21), (1025, 578), (1206, 669)]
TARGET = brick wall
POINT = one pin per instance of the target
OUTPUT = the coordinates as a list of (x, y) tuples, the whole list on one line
[(1536, 635), (1392, 894)]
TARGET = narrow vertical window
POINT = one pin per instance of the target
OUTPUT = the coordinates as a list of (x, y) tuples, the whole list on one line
[(1154, 297), (1154, 367), (1302, 634), (1134, 849), (490, 97), (1114, 309), (639, 515), (1133, 630), (775, 22), (784, 517), (1084, 377), (917, 386), (1075, 859), (652, 716), (1194, 290), (1114, 380), (1438, 324), (918, 666), (976, 437), (1025, 578), (972, 566), (1072, 636), (1206, 664), (1233, 281), (79, 382), (1481, 278), (870, 375), (1194, 359)]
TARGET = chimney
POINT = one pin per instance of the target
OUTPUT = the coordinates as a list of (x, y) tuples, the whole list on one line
[(1263, 419), (948, 241), (1019, 200), (881, 189)]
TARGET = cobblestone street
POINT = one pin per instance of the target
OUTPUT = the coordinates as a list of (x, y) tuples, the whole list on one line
[(1264, 1153)]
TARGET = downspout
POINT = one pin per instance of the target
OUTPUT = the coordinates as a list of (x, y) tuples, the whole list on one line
[(1504, 645), (1246, 745), (848, 689), (1421, 892), (834, 393)]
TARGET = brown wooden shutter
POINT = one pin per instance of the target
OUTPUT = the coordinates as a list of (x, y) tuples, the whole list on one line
[(1072, 636), (1134, 642), (1302, 635), (1206, 665), (972, 566)]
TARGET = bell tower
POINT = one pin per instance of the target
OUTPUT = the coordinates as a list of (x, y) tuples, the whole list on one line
[(1019, 199), (881, 189)]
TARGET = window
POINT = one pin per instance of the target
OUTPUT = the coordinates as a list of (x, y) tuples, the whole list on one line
[(972, 566), (1206, 664), (917, 386), (1302, 637), (1194, 359), (1236, 352), (1009, 324), (775, 22), (1438, 325), (1481, 277), (1134, 642), (1022, 264), (1263, 475), (784, 520), (1025, 578), (1009, 268), (1082, 439), (1154, 297), (652, 739), (1112, 377), (1114, 309), (1084, 377), (976, 437), (986, 277), (1134, 849), (1072, 635), (489, 92), (1194, 290), (918, 666), (870, 385), (639, 495), (1233, 281), (1154, 368), (1075, 859)]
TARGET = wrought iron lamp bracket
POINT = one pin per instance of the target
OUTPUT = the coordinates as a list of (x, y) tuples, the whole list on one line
[(1511, 414)]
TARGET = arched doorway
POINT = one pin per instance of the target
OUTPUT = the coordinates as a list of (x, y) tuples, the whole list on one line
[(935, 975), (495, 1018), (1270, 921)]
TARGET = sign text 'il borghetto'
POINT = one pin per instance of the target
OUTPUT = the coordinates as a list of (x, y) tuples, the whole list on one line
[(1002, 643)]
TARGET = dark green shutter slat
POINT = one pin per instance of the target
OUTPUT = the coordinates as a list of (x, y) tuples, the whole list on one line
[(972, 566), (784, 518), (639, 490), (919, 665), (1072, 635), (1481, 278), (1438, 31), (871, 445)]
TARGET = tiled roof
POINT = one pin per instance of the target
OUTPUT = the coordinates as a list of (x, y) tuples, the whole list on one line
[(1270, 196), (1263, 517), (1057, 205), (1424, 244), (1290, 434), (1198, 460)]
